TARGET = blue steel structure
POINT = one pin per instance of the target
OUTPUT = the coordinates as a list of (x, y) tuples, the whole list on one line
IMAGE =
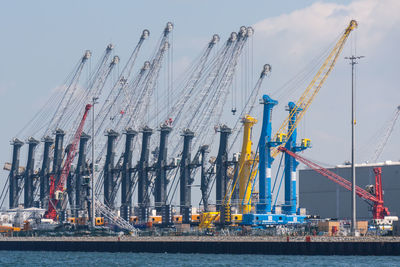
[(265, 159), (265, 213), (291, 165), (290, 207)]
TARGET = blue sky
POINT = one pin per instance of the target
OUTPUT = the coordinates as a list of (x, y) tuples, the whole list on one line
[(42, 40)]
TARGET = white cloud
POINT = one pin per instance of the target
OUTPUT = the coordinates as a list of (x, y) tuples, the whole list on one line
[(290, 41), (320, 22)]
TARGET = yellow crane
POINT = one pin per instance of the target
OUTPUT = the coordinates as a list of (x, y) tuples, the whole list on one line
[(245, 169), (246, 161), (246, 173), (284, 132), (246, 166)]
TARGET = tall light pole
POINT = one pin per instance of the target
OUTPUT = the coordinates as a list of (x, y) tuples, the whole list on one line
[(353, 60), (93, 168)]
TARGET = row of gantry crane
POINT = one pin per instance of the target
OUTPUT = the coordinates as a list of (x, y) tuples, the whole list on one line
[(237, 199), (251, 164)]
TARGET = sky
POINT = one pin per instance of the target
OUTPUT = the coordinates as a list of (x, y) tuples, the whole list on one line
[(42, 41)]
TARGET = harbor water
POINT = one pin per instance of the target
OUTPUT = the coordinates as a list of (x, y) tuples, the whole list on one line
[(43, 258)]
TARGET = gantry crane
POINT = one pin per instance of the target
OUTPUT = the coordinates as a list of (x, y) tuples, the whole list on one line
[(286, 136), (240, 183), (244, 172), (57, 192), (247, 160)]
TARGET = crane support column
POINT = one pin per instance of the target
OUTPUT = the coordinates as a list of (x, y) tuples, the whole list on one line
[(160, 197), (291, 165), (126, 184), (204, 180), (29, 173), (44, 173), (109, 173), (82, 177), (265, 159), (379, 211), (222, 166), (14, 174), (185, 180), (58, 150), (246, 173), (143, 175)]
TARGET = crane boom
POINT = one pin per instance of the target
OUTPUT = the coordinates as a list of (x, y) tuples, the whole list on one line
[(313, 88), (379, 210), (388, 132), (56, 191), (68, 95)]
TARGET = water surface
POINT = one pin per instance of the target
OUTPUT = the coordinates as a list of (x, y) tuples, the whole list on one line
[(64, 259)]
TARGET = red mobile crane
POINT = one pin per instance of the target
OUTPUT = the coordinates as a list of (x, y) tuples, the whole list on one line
[(379, 211), (57, 192)]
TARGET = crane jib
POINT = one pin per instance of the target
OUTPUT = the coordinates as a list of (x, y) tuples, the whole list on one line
[(313, 88)]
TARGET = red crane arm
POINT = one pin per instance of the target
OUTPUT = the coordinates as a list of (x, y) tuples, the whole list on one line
[(331, 176), (72, 151), (51, 212)]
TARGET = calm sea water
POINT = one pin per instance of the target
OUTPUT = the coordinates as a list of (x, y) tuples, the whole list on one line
[(64, 259)]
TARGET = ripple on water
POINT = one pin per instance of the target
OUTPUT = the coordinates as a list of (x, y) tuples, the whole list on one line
[(64, 259)]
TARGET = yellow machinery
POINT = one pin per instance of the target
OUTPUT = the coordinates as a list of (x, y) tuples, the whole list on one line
[(196, 218), (83, 220), (99, 221), (9, 229), (156, 219), (71, 220), (133, 219), (236, 218), (280, 138), (177, 219), (246, 172), (207, 218), (312, 89), (305, 142)]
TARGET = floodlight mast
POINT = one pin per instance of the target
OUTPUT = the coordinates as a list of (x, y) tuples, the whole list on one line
[(353, 60)]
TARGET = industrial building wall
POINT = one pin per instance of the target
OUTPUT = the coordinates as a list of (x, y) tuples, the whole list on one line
[(321, 196)]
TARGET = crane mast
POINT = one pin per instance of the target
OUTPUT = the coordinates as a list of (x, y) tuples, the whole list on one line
[(247, 171)]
